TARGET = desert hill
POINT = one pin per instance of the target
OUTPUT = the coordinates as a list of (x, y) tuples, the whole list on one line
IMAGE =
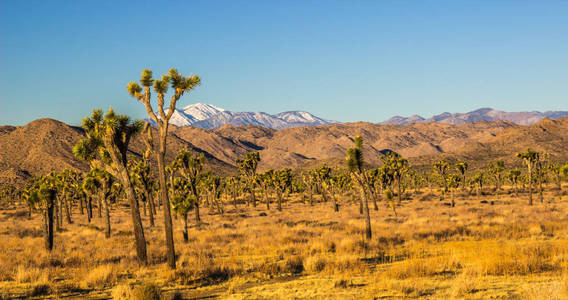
[(45, 145)]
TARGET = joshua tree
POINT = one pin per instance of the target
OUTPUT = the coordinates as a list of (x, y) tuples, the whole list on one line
[(43, 193), (398, 167), (282, 180), (355, 166), (496, 169), (233, 186), (180, 85), (338, 183), (377, 179), (477, 180), (190, 167), (461, 167), (212, 184), (309, 180), (442, 168), (513, 176), (530, 158), (106, 146), (247, 168), (265, 181), (182, 203), (142, 180), (324, 179), (453, 183)]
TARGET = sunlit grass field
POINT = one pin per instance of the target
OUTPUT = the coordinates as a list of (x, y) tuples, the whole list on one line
[(496, 246)]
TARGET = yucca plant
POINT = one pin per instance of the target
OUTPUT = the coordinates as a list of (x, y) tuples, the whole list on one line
[(282, 180), (190, 166), (530, 158), (180, 85), (355, 164), (462, 167), (106, 147), (247, 169)]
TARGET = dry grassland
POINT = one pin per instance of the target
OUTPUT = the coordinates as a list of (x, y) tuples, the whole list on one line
[(507, 250)]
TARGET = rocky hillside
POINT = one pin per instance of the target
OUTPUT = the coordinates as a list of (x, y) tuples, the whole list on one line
[(45, 145)]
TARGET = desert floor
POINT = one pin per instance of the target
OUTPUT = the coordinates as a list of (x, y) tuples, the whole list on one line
[(496, 246)]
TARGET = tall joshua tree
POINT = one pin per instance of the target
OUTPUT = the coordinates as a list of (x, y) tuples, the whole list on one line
[(181, 85), (106, 146), (358, 176), (530, 158)]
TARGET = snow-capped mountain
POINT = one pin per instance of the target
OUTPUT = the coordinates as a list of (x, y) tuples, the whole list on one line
[(482, 114), (208, 116)]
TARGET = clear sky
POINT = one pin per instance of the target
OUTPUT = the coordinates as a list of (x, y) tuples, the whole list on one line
[(341, 60)]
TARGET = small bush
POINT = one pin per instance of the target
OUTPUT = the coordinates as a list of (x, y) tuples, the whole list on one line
[(315, 264), (122, 292), (294, 265), (146, 291), (100, 277)]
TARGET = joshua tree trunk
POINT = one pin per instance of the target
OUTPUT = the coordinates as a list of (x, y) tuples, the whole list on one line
[(81, 200), (279, 194), (140, 240), (59, 216), (48, 224), (67, 204), (185, 232), (452, 196), (89, 209), (540, 197), (107, 218), (151, 207), (335, 206), (367, 215), (100, 208), (529, 165), (197, 216), (267, 199), (144, 206), (170, 252), (252, 196), (399, 191)]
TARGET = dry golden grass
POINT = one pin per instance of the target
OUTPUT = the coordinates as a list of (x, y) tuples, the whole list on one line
[(475, 250)]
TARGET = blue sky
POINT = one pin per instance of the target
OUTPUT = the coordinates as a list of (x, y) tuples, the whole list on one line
[(342, 60)]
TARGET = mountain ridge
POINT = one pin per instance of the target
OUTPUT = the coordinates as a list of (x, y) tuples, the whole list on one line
[(481, 114), (207, 116)]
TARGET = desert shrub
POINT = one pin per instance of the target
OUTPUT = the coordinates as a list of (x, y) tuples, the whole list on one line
[(293, 264), (146, 291), (315, 264), (31, 275), (100, 277), (122, 292), (465, 284)]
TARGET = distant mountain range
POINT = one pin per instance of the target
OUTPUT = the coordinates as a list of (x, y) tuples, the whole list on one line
[(482, 114), (207, 116)]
